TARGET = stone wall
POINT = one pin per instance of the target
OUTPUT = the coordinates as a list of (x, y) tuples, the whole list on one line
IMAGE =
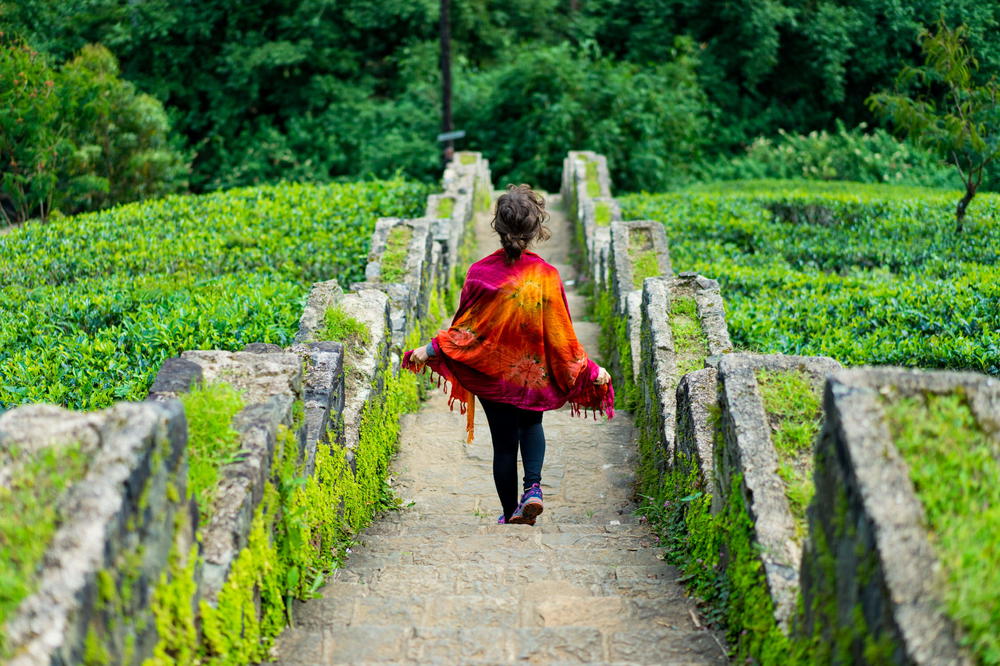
[(871, 579), (853, 578), (128, 527)]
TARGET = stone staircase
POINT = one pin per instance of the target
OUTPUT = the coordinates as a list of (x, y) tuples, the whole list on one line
[(440, 582)]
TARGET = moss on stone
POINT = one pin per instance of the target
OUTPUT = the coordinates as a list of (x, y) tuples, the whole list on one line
[(690, 342), (602, 214), (593, 183), (212, 440), (397, 247), (467, 158), (446, 205), (338, 326), (30, 515), (954, 467), (792, 402)]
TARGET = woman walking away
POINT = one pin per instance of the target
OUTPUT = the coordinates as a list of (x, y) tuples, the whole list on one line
[(512, 345)]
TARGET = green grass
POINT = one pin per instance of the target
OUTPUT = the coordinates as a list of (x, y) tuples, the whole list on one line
[(955, 468), (29, 516), (792, 404), (339, 326), (446, 205), (397, 246), (593, 184), (690, 343), (865, 274), (602, 214), (644, 265), (212, 441)]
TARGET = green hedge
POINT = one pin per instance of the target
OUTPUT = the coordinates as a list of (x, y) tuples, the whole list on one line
[(863, 273), (91, 305)]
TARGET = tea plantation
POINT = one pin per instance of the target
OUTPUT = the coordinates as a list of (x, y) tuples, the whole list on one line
[(867, 274), (91, 305)]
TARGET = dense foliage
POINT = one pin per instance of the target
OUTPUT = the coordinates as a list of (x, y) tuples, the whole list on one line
[(309, 90), (91, 305), (875, 157), (866, 274), (79, 138)]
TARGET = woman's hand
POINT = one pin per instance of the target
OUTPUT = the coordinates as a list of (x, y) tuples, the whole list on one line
[(602, 376), (419, 356)]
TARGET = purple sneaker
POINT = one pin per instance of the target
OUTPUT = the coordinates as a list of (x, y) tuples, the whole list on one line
[(501, 520), (529, 508)]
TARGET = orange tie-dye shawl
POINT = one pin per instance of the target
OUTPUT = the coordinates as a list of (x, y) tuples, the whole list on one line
[(512, 341)]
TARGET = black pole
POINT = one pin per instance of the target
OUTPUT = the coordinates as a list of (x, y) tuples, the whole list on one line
[(446, 75)]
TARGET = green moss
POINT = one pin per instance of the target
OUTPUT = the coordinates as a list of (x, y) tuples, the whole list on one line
[(212, 441), (173, 608), (397, 247), (338, 326), (446, 205), (94, 651), (30, 515), (467, 158), (954, 467), (644, 265), (690, 343), (792, 403), (602, 214), (593, 184)]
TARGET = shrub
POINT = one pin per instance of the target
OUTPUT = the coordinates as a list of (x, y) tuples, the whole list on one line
[(78, 139), (854, 155)]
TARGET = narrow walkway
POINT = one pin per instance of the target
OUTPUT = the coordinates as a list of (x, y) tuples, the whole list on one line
[(440, 582)]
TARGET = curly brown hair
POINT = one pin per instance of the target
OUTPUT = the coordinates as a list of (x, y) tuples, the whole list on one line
[(520, 219)]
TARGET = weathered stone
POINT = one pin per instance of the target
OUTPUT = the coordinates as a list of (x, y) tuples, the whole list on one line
[(241, 489), (696, 421), (711, 311), (867, 522), (257, 376), (263, 348), (118, 519), (409, 305), (746, 449), (322, 396), (322, 297), (176, 376), (628, 241)]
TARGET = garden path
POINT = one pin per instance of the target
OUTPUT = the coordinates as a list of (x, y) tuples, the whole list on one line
[(440, 582)]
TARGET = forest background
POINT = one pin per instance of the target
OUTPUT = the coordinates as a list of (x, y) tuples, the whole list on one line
[(220, 93)]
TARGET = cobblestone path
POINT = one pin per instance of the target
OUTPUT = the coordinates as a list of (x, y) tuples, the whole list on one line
[(440, 582)]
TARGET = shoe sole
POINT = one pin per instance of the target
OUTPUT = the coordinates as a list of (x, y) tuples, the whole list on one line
[(528, 514)]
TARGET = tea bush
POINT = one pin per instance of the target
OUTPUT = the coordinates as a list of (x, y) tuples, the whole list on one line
[(91, 305), (863, 273)]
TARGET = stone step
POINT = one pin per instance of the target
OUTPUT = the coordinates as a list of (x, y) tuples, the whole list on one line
[(359, 643), (389, 526), (528, 540), (508, 555)]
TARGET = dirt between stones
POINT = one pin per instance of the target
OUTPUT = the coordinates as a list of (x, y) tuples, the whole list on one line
[(441, 582)]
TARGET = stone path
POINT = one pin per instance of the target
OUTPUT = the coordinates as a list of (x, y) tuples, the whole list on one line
[(440, 582)]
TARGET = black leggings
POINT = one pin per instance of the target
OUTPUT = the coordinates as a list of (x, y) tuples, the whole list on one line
[(510, 426)]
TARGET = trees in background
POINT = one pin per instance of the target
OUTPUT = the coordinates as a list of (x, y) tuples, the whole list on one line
[(951, 112), (78, 138), (313, 90)]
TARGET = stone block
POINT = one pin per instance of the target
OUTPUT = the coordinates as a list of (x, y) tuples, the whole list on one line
[(410, 304), (176, 376), (322, 397), (745, 449), (631, 242), (117, 527), (597, 214), (867, 522), (256, 376), (696, 422), (322, 297), (659, 375)]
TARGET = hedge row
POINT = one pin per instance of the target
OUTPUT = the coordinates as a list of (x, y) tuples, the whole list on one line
[(866, 274), (91, 305)]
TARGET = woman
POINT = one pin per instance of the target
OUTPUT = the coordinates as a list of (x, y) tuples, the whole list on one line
[(512, 345)]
